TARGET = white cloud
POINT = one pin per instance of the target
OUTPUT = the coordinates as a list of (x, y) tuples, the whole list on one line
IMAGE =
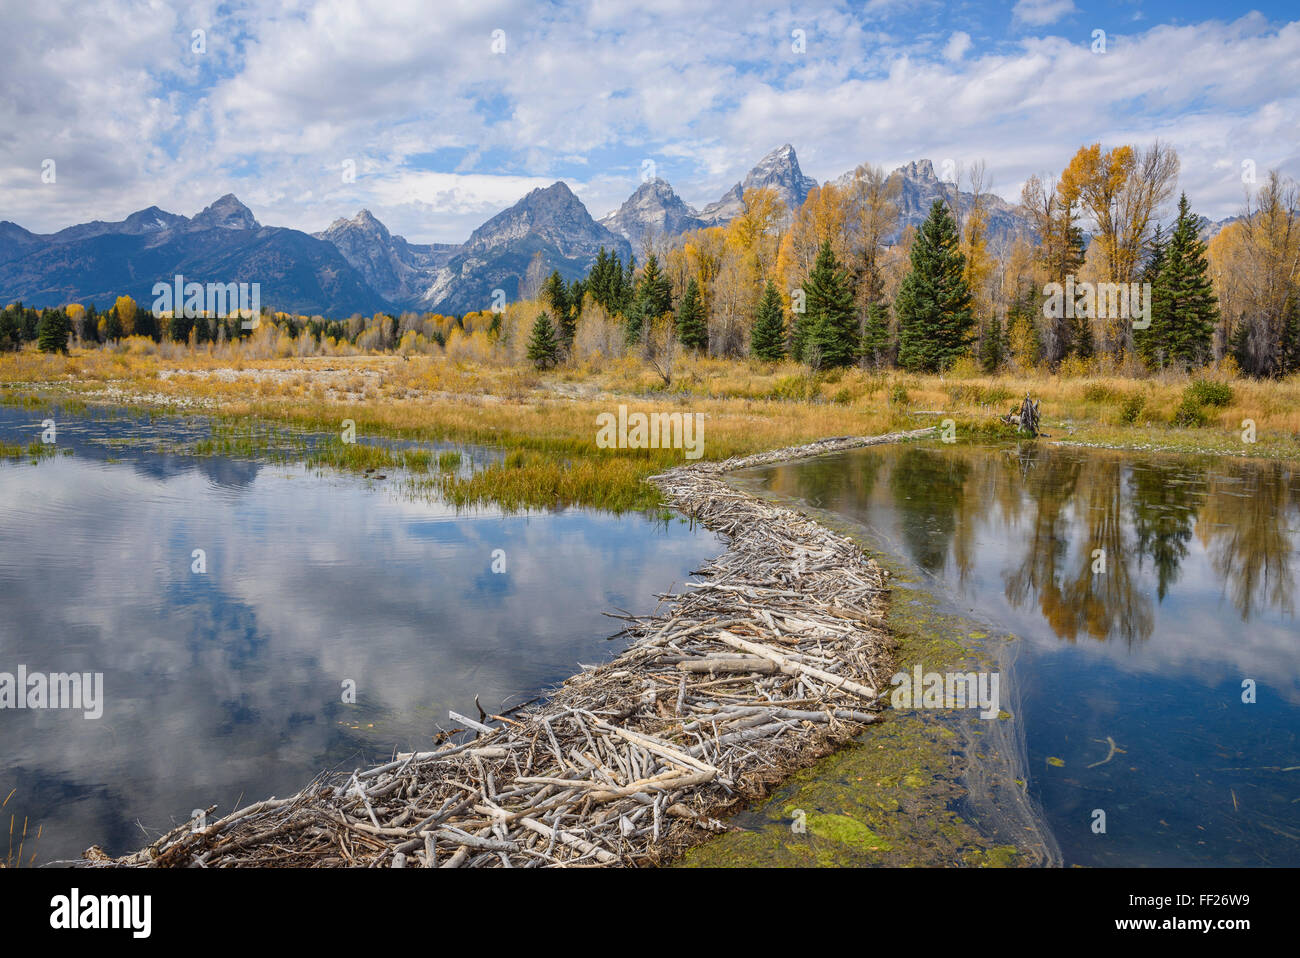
[(283, 98), (956, 46), (1039, 13)]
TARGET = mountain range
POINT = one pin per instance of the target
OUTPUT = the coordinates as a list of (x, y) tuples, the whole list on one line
[(97, 262), (357, 265)]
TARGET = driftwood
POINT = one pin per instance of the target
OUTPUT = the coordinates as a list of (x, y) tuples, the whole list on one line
[(770, 661), (1025, 419)]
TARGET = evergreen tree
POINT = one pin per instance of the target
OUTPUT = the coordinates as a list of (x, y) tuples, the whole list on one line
[(112, 324), (654, 298), (692, 329), (555, 295), (146, 324), (654, 290), (11, 333), (543, 347), (30, 321), (1183, 299), (832, 325), (799, 325), (52, 331), (767, 340), (90, 325), (577, 290), (608, 283), (1148, 345), (993, 347), (179, 327), (875, 335), (598, 279), (1082, 344), (935, 322), (1288, 360), (1239, 344), (627, 286)]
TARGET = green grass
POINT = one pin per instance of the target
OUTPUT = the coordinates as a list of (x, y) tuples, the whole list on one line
[(36, 449), (1208, 392)]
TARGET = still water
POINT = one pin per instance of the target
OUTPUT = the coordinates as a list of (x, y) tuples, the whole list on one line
[(227, 686), (1144, 596)]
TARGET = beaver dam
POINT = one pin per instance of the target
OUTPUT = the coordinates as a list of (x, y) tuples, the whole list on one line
[(770, 662)]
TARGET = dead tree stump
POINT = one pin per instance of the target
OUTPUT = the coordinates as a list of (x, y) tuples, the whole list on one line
[(1025, 419)]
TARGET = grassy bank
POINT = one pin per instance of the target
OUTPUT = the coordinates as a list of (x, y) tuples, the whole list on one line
[(546, 422)]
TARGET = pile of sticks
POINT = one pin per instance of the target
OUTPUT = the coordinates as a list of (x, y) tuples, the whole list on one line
[(770, 660)]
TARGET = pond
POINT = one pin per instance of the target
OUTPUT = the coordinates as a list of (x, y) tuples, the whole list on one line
[(334, 619), (1142, 607)]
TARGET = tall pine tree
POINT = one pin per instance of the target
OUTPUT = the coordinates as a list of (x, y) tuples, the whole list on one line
[(832, 321), (555, 295), (1184, 309), (875, 345), (1288, 360), (543, 347), (692, 329), (1147, 344), (935, 321), (52, 331), (993, 347), (767, 339), (654, 298), (609, 284)]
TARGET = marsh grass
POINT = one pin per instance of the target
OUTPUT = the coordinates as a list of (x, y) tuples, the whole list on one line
[(547, 420), (36, 449), (14, 853)]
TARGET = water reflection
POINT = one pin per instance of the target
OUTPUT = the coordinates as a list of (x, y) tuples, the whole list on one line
[(228, 683), (1144, 589), (1064, 505)]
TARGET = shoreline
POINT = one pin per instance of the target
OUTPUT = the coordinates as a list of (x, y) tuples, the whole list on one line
[(633, 761)]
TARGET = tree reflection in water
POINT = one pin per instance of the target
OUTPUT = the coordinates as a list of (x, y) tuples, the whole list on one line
[(1057, 505)]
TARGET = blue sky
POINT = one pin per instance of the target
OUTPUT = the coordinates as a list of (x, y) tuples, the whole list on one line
[(446, 120)]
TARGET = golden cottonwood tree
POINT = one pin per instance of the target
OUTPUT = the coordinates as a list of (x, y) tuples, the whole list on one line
[(1122, 188), (125, 307), (1255, 267), (872, 200), (824, 217)]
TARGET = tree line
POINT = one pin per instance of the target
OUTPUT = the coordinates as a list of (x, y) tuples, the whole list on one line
[(838, 283)]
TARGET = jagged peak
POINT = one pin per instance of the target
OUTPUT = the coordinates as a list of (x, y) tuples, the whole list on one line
[(558, 188), (918, 170), (227, 212)]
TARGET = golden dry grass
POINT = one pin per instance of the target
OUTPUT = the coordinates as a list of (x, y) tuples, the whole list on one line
[(551, 417)]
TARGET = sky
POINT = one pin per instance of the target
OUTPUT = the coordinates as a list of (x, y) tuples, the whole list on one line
[(435, 116)]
